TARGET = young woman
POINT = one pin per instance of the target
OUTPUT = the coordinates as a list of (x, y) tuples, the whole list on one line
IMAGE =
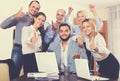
[(108, 64), (31, 42)]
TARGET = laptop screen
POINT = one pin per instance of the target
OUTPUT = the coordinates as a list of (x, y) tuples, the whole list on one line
[(82, 68), (46, 62)]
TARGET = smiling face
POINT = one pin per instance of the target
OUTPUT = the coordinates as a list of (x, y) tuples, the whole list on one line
[(60, 15), (39, 20), (88, 27), (33, 8), (81, 15), (64, 32)]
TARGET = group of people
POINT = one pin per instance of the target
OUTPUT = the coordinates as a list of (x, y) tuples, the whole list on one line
[(68, 41)]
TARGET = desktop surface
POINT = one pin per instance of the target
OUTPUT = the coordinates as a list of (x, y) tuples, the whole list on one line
[(25, 78)]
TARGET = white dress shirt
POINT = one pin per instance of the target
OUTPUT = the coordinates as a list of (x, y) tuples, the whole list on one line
[(64, 56), (27, 45)]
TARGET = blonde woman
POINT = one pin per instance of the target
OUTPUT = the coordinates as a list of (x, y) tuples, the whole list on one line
[(95, 43)]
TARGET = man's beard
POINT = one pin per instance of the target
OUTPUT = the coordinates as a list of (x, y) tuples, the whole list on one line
[(65, 39)]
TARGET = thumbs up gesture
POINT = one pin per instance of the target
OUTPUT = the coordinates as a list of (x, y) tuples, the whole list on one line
[(19, 14), (34, 38), (54, 26), (77, 55), (80, 41)]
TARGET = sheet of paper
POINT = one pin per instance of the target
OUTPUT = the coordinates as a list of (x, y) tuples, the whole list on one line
[(37, 75)]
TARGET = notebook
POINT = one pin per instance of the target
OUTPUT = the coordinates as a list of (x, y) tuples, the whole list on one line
[(82, 70), (46, 62)]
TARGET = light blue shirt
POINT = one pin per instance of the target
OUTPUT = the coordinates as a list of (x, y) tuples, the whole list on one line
[(19, 23), (73, 48), (75, 32)]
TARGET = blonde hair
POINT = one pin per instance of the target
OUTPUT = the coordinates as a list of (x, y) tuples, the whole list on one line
[(82, 11), (92, 25)]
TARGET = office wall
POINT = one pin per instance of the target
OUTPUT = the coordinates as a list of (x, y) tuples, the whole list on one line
[(49, 7), (9, 7), (6, 43)]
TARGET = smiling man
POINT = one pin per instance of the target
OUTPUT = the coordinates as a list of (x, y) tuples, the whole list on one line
[(20, 20), (66, 52)]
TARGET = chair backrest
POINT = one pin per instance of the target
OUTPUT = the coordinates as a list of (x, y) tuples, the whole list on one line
[(4, 72), (7, 66)]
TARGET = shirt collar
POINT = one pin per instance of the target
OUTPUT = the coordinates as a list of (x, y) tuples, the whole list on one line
[(67, 44)]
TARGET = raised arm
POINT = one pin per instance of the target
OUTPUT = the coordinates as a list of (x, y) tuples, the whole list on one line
[(70, 9), (49, 34), (12, 20), (99, 23)]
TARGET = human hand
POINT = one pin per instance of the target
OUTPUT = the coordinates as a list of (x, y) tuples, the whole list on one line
[(80, 41), (34, 38), (19, 14), (70, 9), (77, 56), (96, 73), (92, 9), (54, 26)]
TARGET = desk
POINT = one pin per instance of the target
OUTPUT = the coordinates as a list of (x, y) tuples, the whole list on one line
[(24, 78)]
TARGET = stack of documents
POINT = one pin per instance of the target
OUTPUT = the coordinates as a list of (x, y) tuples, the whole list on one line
[(37, 74), (43, 76)]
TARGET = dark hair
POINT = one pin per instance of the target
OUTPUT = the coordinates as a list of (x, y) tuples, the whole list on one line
[(39, 13), (86, 20), (34, 1), (64, 24)]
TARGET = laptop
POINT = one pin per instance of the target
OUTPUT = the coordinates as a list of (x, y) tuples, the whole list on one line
[(46, 62), (82, 70)]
